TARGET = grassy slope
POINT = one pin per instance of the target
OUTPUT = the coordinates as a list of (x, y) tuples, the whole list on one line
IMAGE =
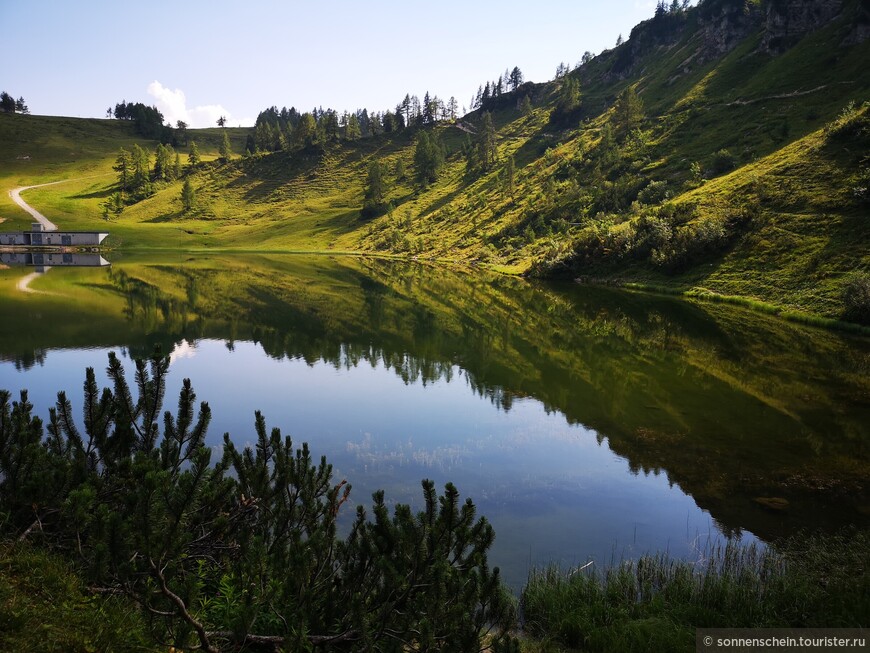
[(766, 110)]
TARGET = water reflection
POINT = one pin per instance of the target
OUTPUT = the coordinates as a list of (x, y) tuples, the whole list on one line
[(591, 387), (47, 259)]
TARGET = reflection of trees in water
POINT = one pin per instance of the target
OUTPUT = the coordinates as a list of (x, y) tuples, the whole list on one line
[(728, 404), (25, 360)]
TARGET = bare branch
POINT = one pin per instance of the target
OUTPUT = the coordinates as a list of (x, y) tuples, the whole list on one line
[(178, 602)]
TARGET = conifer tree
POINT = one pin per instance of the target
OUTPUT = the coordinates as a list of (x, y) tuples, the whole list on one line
[(352, 131), (568, 100), (508, 176), (225, 152), (140, 183), (374, 202), (516, 78), (305, 132), (399, 171), (428, 158), (486, 142), (188, 195), (193, 158), (526, 105), (628, 111), (124, 167)]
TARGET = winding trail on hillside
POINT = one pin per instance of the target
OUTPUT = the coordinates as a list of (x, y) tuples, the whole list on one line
[(15, 194), (23, 284)]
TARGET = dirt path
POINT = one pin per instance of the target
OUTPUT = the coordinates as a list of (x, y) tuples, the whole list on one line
[(15, 194), (23, 284)]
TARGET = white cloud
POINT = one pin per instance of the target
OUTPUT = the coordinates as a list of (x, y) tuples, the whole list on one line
[(173, 106)]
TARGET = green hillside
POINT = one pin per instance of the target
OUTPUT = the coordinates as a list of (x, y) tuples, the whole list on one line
[(713, 152)]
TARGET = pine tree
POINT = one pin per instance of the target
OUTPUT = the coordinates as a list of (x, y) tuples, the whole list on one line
[(516, 78), (568, 100), (508, 176), (428, 158), (161, 163), (374, 202), (140, 183), (526, 105), (628, 111), (225, 151), (113, 205), (399, 171), (7, 103), (124, 167), (193, 158), (352, 131), (188, 195), (452, 109), (305, 132), (486, 142)]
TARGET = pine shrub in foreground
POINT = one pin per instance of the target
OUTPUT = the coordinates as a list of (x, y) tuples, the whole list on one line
[(242, 553)]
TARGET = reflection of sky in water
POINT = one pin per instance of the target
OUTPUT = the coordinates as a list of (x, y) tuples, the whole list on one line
[(550, 490)]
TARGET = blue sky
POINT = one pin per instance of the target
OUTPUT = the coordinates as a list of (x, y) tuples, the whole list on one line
[(196, 60)]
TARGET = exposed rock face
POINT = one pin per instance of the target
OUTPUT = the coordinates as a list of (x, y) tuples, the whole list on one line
[(861, 28), (723, 30), (787, 21)]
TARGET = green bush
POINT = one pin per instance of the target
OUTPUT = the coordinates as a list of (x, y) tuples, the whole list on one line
[(851, 122), (243, 552), (856, 298), (723, 161)]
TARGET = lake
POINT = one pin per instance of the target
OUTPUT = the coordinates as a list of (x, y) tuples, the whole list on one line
[(587, 424)]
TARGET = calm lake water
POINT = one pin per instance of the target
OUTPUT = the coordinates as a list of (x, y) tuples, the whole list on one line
[(586, 424)]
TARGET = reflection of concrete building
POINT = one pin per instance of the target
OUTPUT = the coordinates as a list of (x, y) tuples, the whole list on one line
[(37, 237), (50, 259)]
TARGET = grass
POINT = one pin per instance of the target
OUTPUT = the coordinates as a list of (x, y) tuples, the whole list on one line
[(45, 608), (657, 602), (804, 236)]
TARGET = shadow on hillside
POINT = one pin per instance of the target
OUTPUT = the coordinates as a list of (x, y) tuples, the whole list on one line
[(533, 149), (101, 194), (166, 217), (442, 201), (343, 223)]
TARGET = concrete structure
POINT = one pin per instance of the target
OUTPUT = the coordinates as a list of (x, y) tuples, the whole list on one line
[(38, 237), (53, 259)]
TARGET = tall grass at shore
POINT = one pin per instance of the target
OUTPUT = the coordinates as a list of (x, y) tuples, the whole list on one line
[(657, 602)]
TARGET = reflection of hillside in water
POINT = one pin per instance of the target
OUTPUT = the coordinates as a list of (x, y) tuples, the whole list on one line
[(733, 406)]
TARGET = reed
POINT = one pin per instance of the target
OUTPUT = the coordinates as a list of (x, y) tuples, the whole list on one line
[(656, 602)]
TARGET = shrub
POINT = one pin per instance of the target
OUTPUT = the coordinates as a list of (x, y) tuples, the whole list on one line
[(856, 298), (851, 122), (655, 192), (723, 161), (242, 553)]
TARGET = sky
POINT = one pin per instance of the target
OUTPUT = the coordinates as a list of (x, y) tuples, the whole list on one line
[(196, 60)]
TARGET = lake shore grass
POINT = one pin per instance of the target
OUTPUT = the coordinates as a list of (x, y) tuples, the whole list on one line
[(750, 303), (655, 603)]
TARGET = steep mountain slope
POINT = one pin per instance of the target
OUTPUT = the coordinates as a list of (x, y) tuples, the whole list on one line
[(712, 151)]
